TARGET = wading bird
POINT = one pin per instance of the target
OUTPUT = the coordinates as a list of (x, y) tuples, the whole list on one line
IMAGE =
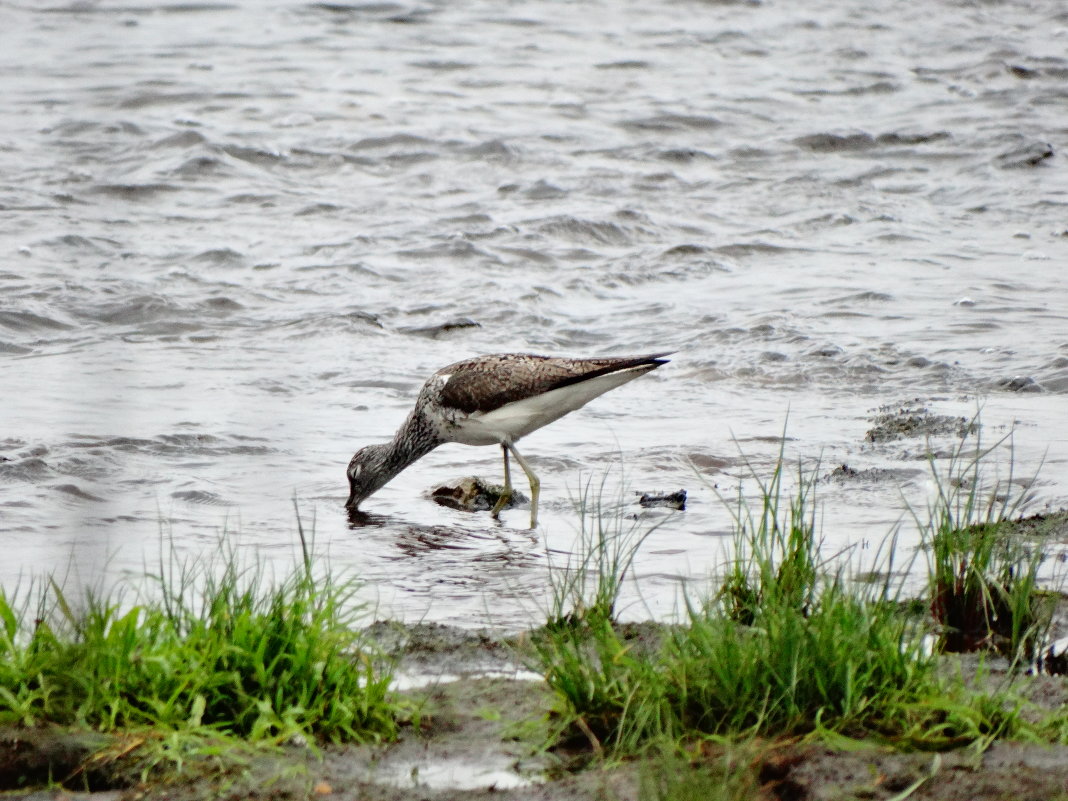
[(492, 400)]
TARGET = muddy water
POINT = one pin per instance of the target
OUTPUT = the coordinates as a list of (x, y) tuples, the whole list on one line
[(235, 239)]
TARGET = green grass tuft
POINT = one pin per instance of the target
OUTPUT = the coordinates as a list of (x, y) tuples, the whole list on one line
[(209, 646), (728, 775), (588, 588), (983, 585), (787, 646)]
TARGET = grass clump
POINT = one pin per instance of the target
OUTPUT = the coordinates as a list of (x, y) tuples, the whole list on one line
[(584, 655), (587, 589), (845, 666), (983, 581), (788, 646), (776, 561), (782, 648), (209, 646)]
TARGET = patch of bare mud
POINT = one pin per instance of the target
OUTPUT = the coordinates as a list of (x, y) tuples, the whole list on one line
[(913, 419), (431, 651), (1051, 526), (1006, 771), (844, 474)]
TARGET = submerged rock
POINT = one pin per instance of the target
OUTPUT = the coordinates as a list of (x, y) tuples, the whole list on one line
[(472, 494), (1020, 383), (670, 500)]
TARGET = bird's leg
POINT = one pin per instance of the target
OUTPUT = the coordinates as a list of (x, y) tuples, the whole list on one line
[(506, 495), (535, 485), (507, 471)]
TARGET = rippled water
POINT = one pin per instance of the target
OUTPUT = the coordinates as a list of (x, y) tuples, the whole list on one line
[(237, 237)]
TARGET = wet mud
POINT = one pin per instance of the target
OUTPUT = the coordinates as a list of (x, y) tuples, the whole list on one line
[(915, 419), (478, 723)]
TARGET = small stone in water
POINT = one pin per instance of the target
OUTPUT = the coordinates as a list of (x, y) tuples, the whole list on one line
[(671, 500), (472, 494)]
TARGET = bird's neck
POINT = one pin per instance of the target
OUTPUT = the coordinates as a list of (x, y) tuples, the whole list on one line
[(414, 440)]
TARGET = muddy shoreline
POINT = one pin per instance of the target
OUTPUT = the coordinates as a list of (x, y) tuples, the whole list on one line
[(478, 719)]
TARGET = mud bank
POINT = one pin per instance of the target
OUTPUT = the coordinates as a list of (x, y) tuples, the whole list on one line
[(478, 718)]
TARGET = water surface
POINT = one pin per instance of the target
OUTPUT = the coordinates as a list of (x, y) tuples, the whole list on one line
[(236, 238)]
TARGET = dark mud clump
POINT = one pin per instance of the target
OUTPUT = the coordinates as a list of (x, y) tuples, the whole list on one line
[(41, 756), (844, 474), (913, 419), (1044, 525), (667, 500)]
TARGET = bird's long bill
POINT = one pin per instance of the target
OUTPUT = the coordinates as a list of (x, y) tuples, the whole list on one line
[(352, 503)]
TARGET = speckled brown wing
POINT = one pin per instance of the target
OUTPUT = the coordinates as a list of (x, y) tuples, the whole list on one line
[(486, 383)]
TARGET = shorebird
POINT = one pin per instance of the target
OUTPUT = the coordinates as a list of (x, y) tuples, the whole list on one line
[(492, 400)]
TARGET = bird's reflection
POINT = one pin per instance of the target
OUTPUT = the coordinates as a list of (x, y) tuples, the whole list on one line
[(413, 539), (358, 519)]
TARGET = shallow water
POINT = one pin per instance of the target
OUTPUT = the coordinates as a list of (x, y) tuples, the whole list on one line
[(237, 237)]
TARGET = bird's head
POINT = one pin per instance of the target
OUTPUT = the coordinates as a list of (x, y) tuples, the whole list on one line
[(368, 471)]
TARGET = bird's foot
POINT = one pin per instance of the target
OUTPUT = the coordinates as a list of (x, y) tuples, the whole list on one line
[(502, 501)]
